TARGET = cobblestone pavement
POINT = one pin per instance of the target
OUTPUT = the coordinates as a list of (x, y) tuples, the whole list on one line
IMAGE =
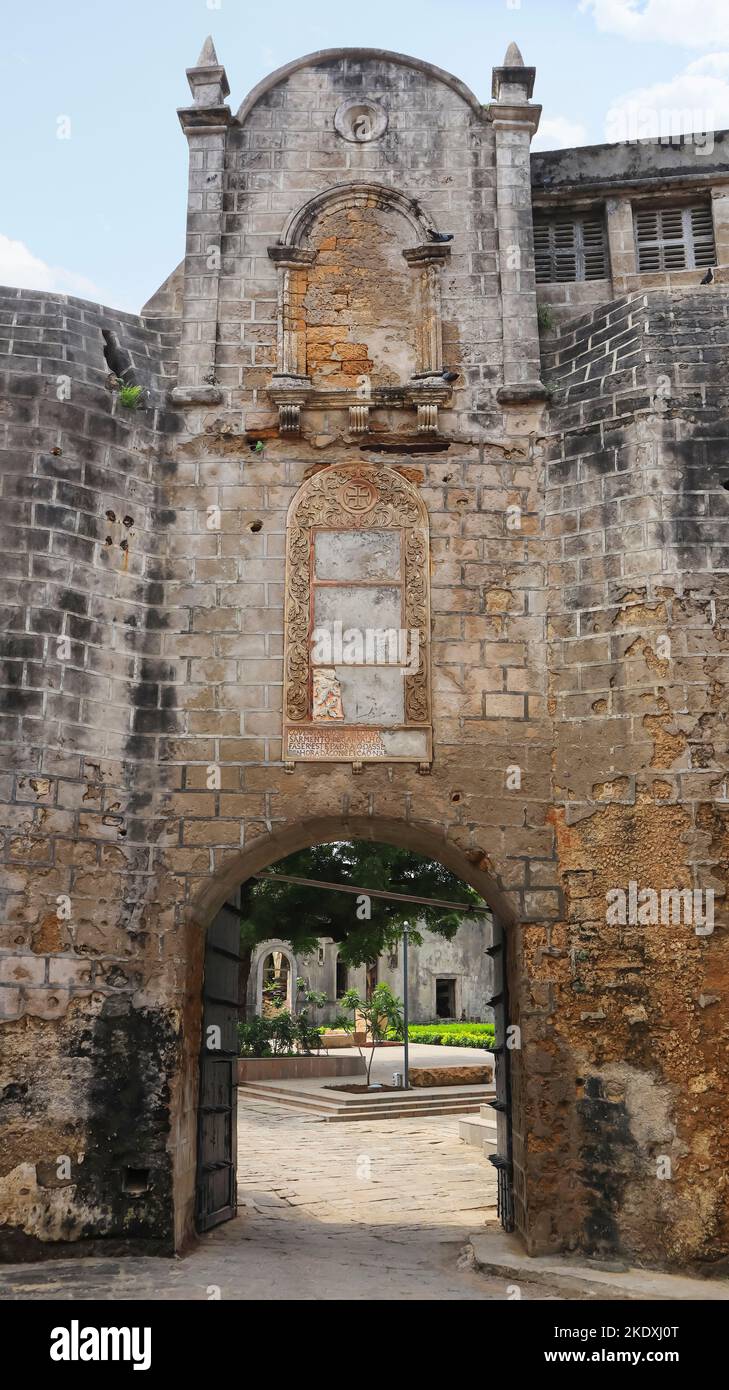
[(376, 1210)]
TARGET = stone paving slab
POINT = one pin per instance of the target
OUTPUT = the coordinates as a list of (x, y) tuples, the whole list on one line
[(380, 1210)]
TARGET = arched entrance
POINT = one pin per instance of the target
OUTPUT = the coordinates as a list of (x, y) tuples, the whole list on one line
[(275, 978), (215, 1182)]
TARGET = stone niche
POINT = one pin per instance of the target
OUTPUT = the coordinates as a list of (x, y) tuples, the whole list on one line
[(360, 317), (356, 676), (359, 309)]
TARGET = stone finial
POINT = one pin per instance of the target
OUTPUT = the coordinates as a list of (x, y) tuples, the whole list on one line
[(513, 57), (207, 80), (513, 82), (209, 58)]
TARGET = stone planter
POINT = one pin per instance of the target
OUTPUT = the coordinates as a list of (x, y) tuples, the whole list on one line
[(282, 1068)]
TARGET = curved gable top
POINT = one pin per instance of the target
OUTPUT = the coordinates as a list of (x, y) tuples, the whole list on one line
[(374, 55)]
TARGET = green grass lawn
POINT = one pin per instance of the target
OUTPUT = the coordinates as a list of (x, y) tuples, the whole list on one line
[(452, 1034), (479, 1035)]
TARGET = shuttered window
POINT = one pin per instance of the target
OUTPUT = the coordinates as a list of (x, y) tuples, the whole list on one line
[(674, 238), (569, 246)]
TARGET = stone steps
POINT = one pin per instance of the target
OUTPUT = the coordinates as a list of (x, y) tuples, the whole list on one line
[(480, 1130), (389, 1105)]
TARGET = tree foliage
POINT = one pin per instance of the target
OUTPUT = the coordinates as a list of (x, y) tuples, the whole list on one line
[(300, 915)]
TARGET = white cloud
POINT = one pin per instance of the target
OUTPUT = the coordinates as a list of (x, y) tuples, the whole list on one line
[(21, 269), (559, 133), (695, 100), (685, 22)]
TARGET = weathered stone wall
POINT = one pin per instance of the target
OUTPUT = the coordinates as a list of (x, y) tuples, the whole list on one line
[(176, 665), (436, 149), (82, 664), (462, 959), (636, 514)]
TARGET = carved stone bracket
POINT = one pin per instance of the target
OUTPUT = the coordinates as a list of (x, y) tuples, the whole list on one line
[(359, 419), (289, 393), (289, 419), (427, 419)]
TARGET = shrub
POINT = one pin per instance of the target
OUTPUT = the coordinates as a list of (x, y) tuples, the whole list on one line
[(130, 396), (479, 1035), (282, 1035), (253, 1038), (545, 318)]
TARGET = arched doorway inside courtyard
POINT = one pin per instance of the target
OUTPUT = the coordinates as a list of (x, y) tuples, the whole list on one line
[(224, 1004)]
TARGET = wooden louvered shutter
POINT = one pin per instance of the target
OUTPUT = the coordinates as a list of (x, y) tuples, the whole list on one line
[(702, 235), (593, 248), (569, 247), (542, 252), (674, 238)]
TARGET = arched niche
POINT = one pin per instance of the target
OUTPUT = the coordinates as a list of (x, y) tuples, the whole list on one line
[(275, 949), (357, 620), (359, 307)]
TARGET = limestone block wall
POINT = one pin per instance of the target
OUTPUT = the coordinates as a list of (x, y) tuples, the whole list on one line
[(573, 751), (636, 515), (463, 960), (82, 667), (437, 149), (171, 681)]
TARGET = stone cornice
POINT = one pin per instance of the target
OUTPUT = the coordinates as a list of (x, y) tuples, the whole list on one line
[(513, 115), (427, 253), (204, 120)]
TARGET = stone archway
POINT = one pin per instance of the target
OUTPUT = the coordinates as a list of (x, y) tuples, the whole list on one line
[(267, 851)]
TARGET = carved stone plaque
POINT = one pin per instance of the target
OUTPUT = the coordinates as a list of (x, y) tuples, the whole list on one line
[(357, 622)]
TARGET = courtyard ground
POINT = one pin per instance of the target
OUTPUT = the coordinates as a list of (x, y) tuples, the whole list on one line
[(368, 1211), (390, 1059)]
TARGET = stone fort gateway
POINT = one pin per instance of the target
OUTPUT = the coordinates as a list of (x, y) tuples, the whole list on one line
[(459, 412)]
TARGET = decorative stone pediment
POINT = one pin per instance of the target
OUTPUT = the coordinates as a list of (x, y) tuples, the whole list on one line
[(359, 308), (357, 622)]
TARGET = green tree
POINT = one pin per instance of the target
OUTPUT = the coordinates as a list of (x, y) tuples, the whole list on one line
[(382, 1011), (364, 930)]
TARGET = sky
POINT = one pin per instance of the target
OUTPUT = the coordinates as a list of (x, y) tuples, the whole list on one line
[(93, 166)]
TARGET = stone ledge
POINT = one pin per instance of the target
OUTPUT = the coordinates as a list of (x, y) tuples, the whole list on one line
[(282, 1068), (522, 394), (495, 1252), (196, 395)]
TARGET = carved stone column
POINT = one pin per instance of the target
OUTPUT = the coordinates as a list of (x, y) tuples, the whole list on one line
[(205, 124), (290, 385), (515, 120), (427, 260)]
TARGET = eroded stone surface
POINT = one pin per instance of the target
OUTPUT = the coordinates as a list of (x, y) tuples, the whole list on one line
[(546, 660)]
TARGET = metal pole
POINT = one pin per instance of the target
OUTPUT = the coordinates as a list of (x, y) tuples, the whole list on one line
[(406, 1055)]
